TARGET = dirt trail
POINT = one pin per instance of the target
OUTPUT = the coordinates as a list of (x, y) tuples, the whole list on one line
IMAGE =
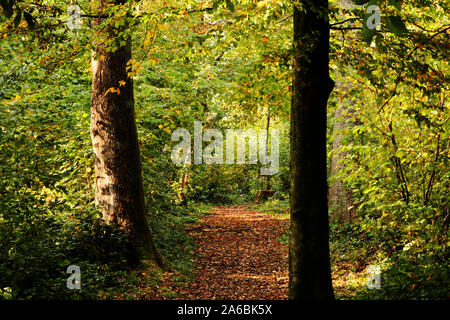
[(239, 256)]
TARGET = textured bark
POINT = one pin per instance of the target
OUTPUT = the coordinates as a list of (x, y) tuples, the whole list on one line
[(118, 175), (309, 261)]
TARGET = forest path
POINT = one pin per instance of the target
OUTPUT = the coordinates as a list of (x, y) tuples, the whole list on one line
[(238, 256)]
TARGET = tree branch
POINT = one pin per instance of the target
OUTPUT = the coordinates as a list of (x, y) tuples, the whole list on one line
[(399, 77), (343, 21)]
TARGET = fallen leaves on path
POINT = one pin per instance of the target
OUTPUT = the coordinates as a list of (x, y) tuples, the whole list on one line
[(238, 256)]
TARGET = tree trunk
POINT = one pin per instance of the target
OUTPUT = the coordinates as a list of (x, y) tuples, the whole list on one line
[(118, 174), (263, 195), (309, 257), (268, 186), (184, 184), (340, 198)]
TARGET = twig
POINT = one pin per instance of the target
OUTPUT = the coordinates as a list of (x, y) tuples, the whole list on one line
[(399, 77), (343, 21), (346, 28)]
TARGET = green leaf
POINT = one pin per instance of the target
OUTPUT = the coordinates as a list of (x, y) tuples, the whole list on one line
[(18, 18), (29, 19), (380, 45), (367, 35), (216, 4), (396, 25), (396, 3), (230, 5)]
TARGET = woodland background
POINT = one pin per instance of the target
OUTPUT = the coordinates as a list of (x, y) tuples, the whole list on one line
[(227, 64)]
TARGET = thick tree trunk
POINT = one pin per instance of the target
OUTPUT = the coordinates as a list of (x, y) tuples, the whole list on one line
[(118, 175), (309, 260)]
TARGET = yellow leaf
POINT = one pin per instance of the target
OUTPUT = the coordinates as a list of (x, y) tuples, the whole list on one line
[(163, 27), (109, 90), (112, 89)]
